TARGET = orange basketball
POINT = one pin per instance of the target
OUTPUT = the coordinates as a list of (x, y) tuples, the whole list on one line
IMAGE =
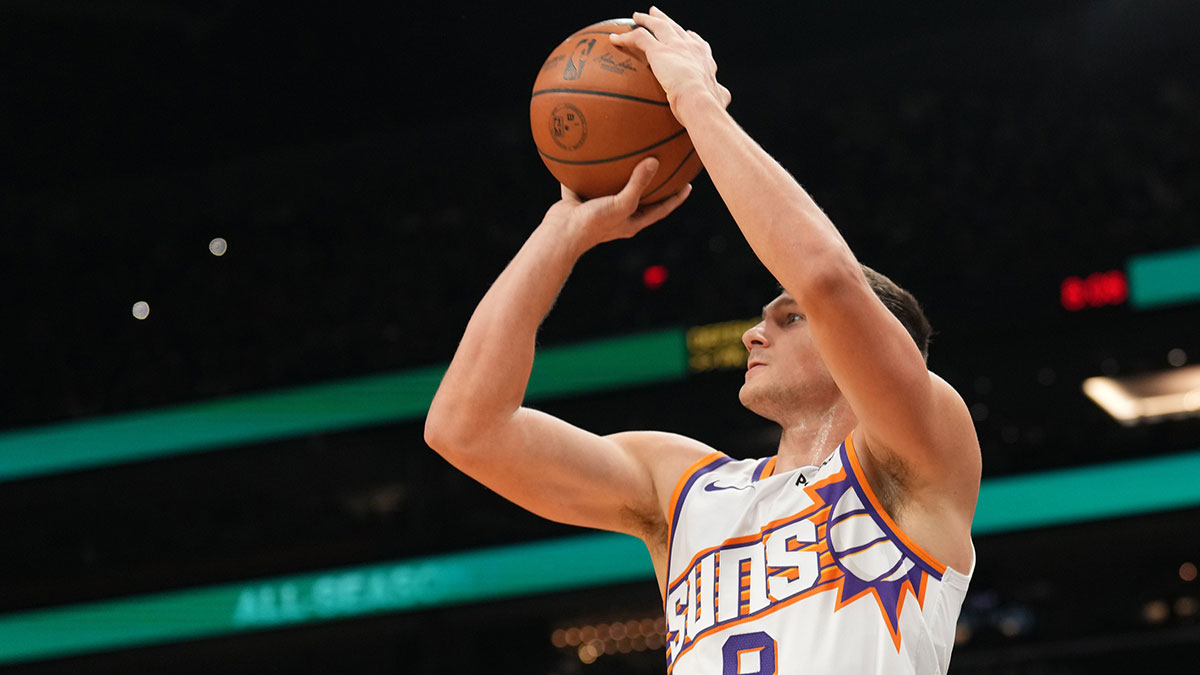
[(596, 111)]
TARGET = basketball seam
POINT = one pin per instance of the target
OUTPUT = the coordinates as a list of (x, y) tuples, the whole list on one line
[(593, 92), (668, 178), (615, 158)]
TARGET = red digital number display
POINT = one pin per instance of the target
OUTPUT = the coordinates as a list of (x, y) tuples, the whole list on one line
[(1101, 289)]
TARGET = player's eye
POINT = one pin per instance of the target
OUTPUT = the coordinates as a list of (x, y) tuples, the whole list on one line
[(793, 317)]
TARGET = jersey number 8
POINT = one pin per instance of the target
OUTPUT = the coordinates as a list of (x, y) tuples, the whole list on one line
[(749, 654)]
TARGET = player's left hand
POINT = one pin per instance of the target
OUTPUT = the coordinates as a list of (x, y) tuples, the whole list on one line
[(595, 221), (681, 60)]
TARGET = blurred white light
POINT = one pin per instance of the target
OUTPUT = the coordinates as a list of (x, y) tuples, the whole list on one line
[(1146, 397), (1177, 357), (141, 310), (217, 247), (1191, 400), (1110, 396)]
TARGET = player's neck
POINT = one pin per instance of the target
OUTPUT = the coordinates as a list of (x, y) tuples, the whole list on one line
[(809, 439)]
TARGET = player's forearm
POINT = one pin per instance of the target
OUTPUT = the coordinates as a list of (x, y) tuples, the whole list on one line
[(783, 225), (488, 375)]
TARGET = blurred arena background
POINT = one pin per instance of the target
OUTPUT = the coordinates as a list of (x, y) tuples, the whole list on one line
[(311, 198)]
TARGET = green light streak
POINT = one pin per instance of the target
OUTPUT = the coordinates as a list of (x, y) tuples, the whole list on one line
[(409, 585), (1005, 504), (1088, 493), (396, 397), (1163, 279)]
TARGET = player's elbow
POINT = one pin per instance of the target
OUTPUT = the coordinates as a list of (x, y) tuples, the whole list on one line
[(445, 430), (435, 432), (454, 429), (826, 278)]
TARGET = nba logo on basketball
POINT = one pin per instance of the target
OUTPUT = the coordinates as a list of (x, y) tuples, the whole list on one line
[(573, 69), (568, 127)]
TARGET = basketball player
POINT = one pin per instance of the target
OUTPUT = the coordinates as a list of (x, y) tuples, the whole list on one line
[(849, 551)]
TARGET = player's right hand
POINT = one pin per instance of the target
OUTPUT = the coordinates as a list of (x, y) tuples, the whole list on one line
[(595, 221), (680, 59)]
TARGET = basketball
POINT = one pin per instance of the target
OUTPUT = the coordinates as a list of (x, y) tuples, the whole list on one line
[(597, 110)]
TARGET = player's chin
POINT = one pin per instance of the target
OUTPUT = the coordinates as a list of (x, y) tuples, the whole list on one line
[(748, 397), (756, 403)]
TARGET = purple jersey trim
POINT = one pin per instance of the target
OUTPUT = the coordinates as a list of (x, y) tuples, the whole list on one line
[(863, 489), (758, 470), (683, 493)]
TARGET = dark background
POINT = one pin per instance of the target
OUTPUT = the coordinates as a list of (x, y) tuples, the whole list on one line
[(372, 169)]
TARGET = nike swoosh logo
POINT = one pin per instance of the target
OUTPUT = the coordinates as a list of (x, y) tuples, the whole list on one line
[(713, 487)]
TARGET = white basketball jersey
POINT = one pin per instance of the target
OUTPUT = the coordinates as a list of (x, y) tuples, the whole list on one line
[(800, 572)]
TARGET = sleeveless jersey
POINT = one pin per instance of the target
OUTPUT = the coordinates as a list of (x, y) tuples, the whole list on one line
[(800, 572)]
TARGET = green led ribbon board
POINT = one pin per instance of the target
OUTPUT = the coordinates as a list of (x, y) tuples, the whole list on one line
[(1164, 279), (1005, 504), (409, 585), (596, 366)]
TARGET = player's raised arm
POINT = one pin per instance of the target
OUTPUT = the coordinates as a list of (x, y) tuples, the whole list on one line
[(476, 420), (900, 406)]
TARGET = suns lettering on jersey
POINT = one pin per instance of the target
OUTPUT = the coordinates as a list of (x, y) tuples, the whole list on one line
[(833, 542)]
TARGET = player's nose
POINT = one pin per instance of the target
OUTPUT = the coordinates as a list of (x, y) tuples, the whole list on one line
[(756, 336)]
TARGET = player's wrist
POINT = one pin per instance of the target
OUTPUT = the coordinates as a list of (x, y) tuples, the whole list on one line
[(564, 237), (694, 103)]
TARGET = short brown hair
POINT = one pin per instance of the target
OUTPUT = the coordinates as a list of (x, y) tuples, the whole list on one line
[(903, 306)]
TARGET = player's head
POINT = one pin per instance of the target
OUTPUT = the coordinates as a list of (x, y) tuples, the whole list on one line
[(795, 377)]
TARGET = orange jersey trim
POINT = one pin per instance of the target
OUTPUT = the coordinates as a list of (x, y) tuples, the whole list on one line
[(769, 469), (856, 466), (674, 508), (683, 480)]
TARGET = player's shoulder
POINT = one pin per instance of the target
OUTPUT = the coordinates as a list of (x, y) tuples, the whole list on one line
[(954, 418), (943, 388), (948, 456), (941, 449), (665, 455), (663, 445)]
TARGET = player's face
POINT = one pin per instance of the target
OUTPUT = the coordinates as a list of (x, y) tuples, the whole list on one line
[(785, 374)]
